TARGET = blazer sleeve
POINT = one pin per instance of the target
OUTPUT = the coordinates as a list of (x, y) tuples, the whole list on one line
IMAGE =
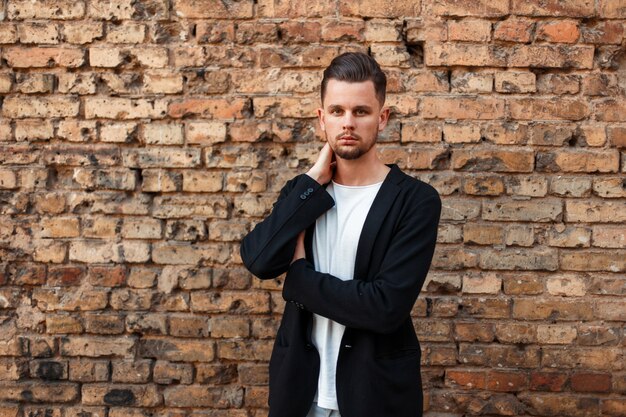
[(268, 249), (385, 302)]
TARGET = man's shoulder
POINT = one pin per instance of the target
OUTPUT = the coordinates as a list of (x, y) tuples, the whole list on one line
[(415, 186)]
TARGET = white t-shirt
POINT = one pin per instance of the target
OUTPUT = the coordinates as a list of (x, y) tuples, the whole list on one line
[(335, 243)]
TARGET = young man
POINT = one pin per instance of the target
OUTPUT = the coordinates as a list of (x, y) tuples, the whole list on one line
[(356, 238)]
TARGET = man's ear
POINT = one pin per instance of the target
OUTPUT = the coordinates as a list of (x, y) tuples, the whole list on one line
[(383, 118), (320, 117)]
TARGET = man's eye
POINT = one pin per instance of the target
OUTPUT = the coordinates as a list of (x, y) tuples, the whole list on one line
[(361, 112), (335, 111)]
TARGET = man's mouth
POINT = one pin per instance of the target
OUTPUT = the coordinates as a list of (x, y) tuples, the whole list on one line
[(348, 138)]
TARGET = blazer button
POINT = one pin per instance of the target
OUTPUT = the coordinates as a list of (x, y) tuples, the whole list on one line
[(302, 197), (310, 190)]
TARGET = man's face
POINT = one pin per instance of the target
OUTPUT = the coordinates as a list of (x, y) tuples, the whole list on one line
[(351, 117)]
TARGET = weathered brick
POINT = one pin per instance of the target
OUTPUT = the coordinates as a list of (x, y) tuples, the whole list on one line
[(569, 237), (513, 29), (161, 157), (515, 82), (60, 392), (602, 32), (183, 206), (547, 381), (63, 324), (124, 108), (609, 237), (471, 82), (611, 110), (571, 357), (496, 160), (551, 56), (177, 350), (469, 30), (482, 234), (138, 371), (162, 83), (556, 334), (38, 33), (339, 30), (121, 395), (576, 161), (135, 299), (271, 9), (81, 32), (465, 54), (59, 299), (126, 33), (88, 370), (163, 134), (589, 211), (600, 85), (612, 9), (468, 8), (214, 9), (41, 9), (562, 31), (44, 57), (17, 107), (574, 8), (202, 396), (228, 301), (590, 382), (462, 108), (427, 29), (538, 309), (520, 259)]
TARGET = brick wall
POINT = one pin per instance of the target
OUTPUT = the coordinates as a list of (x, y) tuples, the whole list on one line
[(141, 139)]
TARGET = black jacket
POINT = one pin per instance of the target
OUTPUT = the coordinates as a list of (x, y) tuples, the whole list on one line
[(378, 369)]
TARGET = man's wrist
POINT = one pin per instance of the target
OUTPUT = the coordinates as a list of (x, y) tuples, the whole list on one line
[(314, 176)]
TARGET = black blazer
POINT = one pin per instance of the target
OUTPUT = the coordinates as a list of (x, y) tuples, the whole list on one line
[(378, 369)]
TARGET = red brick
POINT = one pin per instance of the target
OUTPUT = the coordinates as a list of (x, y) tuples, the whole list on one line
[(562, 31), (611, 110), (612, 9), (468, 8), (213, 108), (544, 56), (589, 382), (547, 381), (42, 9), (506, 381), (282, 9), (464, 54), (513, 29), (551, 8), (541, 109), (466, 379), (603, 32), (379, 9), (214, 9), (462, 108), (469, 30)]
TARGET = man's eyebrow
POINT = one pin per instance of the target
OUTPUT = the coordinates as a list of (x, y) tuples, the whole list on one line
[(359, 107)]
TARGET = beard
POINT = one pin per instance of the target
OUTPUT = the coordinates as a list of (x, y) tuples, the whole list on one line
[(353, 151)]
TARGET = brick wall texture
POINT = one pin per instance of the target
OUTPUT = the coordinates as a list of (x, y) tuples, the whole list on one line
[(141, 139)]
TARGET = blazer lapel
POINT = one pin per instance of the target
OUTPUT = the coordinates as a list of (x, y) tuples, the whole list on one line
[(378, 212)]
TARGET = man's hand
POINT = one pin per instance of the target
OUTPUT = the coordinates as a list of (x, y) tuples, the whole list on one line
[(324, 167), (299, 252)]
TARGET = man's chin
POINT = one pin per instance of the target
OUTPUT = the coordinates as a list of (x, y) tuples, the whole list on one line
[(349, 153)]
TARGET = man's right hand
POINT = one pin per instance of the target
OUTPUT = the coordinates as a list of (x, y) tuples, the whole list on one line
[(324, 168)]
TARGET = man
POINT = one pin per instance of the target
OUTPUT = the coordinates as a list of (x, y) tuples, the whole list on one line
[(356, 238)]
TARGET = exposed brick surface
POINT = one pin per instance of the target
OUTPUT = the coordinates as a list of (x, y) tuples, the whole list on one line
[(140, 140)]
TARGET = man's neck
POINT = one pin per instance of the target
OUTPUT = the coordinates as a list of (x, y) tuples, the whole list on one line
[(366, 170)]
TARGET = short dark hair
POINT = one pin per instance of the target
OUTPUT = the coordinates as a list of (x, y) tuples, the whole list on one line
[(356, 67)]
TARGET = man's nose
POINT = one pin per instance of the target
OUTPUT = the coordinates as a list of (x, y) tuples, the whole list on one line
[(348, 121)]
